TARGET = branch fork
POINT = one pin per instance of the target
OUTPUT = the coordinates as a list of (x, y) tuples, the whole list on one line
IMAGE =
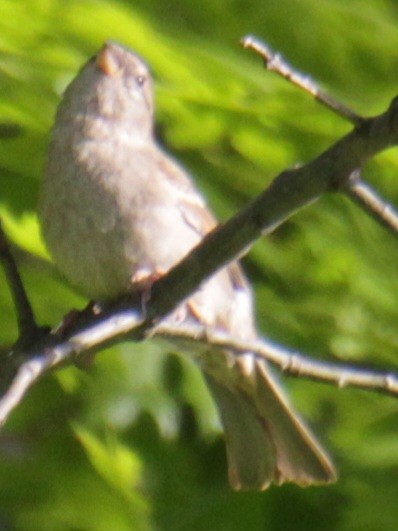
[(39, 351)]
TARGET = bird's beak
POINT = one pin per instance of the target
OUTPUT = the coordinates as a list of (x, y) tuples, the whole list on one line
[(107, 61)]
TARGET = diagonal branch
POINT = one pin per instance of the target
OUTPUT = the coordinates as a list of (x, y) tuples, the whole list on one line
[(356, 190), (293, 189), (290, 362), (27, 327), (125, 324), (290, 191), (336, 169), (53, 352), (374, 205), (274, 62)]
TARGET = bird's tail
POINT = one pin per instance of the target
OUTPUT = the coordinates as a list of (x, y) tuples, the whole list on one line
[(266, 441)]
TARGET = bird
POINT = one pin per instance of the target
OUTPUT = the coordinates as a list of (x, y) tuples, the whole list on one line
[(117, 211)]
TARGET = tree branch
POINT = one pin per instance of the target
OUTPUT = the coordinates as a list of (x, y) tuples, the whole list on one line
[(356, 190), (374, 205), (27, 327), (90, 334), (290, 362), (274, 62), (336, 169), (121, 325)]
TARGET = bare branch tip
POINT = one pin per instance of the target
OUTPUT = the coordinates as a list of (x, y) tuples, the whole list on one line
[(258, 46), (247, 41), (391, 383)]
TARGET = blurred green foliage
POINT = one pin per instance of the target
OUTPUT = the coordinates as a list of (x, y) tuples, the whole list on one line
[(134, 444)]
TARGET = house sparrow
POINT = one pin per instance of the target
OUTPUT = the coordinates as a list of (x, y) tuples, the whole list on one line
[(116, 211)]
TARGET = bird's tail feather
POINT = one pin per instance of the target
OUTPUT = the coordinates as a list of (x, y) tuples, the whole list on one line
[(266, 441)]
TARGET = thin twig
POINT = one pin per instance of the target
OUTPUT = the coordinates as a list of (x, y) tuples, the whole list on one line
[(27, 374), (289, 192), (274, 62), (124, 324), (360, 192), (55, 352), (25, 317), (290, 362), (373, 204)]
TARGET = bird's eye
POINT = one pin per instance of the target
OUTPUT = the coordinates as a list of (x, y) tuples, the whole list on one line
[(141, 80)]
